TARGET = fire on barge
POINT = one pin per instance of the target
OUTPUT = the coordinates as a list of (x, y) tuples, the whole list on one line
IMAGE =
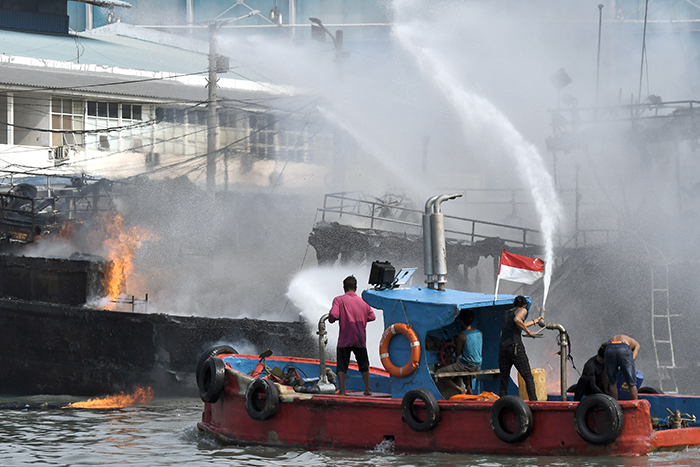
[(248, 402), (56, 339)]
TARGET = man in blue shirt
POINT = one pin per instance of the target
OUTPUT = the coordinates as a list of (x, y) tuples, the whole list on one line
[(469, 345)]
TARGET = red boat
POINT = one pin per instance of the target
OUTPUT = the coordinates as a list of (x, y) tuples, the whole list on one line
[(248, 402)]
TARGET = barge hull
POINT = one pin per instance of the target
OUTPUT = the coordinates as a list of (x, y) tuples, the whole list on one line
[(58, 349)]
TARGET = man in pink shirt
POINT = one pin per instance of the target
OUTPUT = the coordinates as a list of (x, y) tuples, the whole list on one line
[(353, 314)]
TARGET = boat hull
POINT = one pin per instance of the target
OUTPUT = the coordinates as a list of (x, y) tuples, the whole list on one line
[(56, 349), (359, 422)]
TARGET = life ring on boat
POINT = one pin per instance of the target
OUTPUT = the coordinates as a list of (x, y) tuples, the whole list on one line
[(212, 379), (262, 389), (598, 419), (511, 419), (212, 351), (408, 410), (410, 334)]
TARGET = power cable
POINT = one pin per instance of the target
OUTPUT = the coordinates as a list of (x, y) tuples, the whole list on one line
[(83, 132), (113, 83), (224, 148), (189, 160)]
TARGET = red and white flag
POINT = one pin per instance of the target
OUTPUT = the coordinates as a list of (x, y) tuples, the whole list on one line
[(516, 268)]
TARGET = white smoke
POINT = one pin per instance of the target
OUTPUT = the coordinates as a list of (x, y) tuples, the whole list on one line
[(313, 290)]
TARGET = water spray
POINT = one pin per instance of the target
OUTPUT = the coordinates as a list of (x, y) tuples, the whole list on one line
[(478, 115)]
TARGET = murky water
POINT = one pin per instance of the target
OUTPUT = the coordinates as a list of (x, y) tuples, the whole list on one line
[(164, 432)]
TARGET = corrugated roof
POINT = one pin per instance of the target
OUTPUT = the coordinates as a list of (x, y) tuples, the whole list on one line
[(114, 51), (119, 65)]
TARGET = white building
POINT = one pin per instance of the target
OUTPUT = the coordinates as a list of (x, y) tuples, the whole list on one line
[(117, 106)]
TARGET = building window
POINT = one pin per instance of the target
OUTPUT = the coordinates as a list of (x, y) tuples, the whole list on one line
[(262, 136), (66, 114), (102, 115), (131, 112)]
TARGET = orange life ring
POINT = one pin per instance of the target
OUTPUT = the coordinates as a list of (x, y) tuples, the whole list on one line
[(410, 334)]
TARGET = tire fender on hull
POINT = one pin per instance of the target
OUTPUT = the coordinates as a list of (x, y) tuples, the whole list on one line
[(408, 410), (262, 389), (598, 419), (212, 379), (212, 351), (511, 419)]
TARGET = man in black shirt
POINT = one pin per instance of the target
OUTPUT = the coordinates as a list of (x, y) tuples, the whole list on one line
[(511, 350), (593, 380)]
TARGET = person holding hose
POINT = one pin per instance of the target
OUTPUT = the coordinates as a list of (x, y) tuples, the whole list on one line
[(511, 350)]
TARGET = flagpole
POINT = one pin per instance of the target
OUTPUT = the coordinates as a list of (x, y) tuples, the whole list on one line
[(498, 277)]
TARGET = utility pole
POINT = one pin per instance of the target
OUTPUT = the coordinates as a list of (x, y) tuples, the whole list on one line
[(644, 52), (318, 33), (217, 64), (212, 116), (597, 73)]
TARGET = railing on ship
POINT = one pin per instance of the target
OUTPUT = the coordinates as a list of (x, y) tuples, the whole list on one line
[(390, 214), (22, 216), (589, 237), (395, 213)]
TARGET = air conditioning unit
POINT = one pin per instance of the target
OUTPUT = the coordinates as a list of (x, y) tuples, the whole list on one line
[(59, 154)]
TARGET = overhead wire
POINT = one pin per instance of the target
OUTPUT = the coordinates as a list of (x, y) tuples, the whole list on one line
[(111, 83), (253, 102), (224, 148)]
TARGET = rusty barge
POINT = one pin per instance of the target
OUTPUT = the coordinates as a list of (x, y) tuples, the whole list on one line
[(55, 340)]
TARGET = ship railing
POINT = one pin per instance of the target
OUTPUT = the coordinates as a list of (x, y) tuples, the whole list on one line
[(361, 212), (23, 217), (589, 237), (133, 301), (651, 109), (73, 206)]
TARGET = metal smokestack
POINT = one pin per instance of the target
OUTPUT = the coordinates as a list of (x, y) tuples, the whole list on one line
[(428, 241), (435, 254)]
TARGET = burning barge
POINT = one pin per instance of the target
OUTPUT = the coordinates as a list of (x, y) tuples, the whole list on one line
[(59, 349), (52, 343), (247, 402)]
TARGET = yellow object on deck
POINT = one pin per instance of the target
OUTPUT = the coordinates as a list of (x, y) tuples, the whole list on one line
[(484, 396), (540, 384)]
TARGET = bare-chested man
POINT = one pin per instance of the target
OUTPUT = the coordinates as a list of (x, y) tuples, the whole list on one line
[(620, 353)]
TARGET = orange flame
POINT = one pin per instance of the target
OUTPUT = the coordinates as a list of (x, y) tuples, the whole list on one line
[(120, 245), (140, 396)]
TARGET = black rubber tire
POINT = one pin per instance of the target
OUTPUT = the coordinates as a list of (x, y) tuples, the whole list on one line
[(212, 379), (409, 414), (212, 351), (613, 421), (524, 417), (648, 390), (272, 399)]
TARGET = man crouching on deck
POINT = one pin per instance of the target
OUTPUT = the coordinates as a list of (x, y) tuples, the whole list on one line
[(353, 314), (620, 354)]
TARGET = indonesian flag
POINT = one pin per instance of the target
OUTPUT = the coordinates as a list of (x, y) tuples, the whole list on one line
[(516, 268)]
